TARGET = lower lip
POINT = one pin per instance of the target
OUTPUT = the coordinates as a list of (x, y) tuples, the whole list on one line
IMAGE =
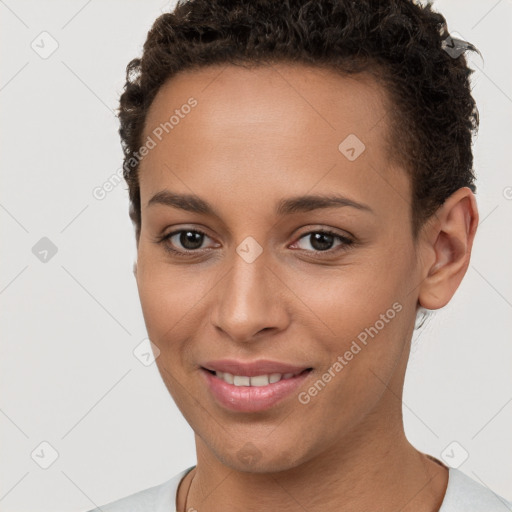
[(252, 398)]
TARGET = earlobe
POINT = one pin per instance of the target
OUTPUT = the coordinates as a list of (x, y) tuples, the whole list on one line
[(449, 239)]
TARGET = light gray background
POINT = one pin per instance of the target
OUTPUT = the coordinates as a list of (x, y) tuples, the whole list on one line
[(70, 325)]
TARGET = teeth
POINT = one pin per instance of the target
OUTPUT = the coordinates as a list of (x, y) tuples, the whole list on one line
[(241, 381), (228, 378), (258, 380)]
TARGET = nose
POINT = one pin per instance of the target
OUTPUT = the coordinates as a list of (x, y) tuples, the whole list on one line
[(249, 300)]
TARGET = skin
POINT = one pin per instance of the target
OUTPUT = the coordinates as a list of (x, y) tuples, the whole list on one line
[(255, 137)]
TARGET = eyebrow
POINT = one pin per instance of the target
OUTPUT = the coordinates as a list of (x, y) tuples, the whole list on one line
[(195, 204)]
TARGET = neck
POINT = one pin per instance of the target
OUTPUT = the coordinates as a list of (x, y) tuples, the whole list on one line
[(385, 474)]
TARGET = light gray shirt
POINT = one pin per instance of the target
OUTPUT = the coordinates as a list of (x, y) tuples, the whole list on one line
[(463, 494)]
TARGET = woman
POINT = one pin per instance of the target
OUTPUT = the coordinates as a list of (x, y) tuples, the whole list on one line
[(301, 184)]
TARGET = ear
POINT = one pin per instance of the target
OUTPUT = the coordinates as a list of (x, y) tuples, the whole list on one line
[(135, 269), (446, 248)]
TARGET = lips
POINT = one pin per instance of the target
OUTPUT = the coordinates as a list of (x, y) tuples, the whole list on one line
[(253, 386), (251, 398), (253, 368)]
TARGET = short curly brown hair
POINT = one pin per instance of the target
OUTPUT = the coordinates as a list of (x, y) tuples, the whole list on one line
[(405, 46)]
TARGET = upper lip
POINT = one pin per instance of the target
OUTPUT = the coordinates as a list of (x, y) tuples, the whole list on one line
[(253, 368)]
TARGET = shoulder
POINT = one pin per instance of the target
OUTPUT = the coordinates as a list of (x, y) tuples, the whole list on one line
[(159, 498), (463, 494)]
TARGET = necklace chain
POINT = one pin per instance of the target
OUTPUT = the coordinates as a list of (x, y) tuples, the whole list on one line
[(188, 491)]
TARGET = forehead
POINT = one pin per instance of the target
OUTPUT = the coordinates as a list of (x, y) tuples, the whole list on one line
[(269, 129), (270, 99)]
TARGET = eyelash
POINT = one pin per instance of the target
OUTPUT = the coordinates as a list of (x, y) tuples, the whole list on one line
[(346, 243)]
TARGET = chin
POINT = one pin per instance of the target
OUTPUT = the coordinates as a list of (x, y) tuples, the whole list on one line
[(248, 458), (263, 466)]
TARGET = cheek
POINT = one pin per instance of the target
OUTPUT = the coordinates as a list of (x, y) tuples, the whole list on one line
[(346, 300), (158, 303), (360, 313), (172, 301), (168, 309), (162, 300)]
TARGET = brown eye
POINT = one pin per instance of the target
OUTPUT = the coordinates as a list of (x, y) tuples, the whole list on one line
[(184, 242), (322, 241), (189, 239)]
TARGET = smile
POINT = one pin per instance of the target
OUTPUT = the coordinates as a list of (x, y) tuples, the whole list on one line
[(257, 381), (243, 393)]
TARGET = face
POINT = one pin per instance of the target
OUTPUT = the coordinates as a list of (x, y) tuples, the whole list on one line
[(262, 275)]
